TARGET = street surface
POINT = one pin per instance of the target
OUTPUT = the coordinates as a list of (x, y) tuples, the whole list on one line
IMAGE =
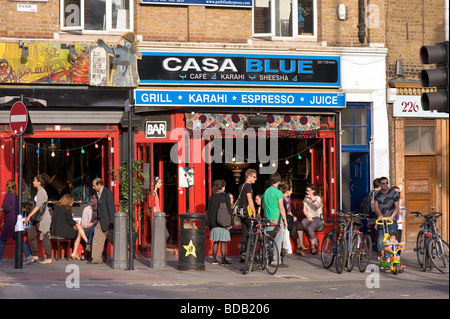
[(305, 278)]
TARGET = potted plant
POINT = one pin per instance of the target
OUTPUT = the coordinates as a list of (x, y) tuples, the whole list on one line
[(138, 188)]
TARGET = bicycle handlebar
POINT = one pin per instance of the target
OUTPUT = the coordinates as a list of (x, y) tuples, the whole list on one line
[(428, 216), (381, 222)]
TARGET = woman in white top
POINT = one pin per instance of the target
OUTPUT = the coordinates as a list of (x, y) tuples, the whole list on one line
[(312, 208)]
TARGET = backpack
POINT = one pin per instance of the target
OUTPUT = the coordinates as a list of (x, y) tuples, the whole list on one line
[(365, 207)]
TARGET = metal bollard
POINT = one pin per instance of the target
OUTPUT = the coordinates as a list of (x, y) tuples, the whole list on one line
[(158, 254), (120, 246), (19, 231)]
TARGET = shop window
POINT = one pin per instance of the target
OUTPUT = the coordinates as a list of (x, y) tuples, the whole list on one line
[(355, 125), (96, 15), (420, 138), (285, 18)]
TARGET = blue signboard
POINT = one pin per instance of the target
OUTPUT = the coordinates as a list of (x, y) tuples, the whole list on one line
[(247, 99), (217, 3)]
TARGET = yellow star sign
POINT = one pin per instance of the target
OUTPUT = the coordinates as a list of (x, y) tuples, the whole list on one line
[(190, 249)]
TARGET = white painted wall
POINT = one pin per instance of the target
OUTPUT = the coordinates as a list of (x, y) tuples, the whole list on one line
[(363, 79)]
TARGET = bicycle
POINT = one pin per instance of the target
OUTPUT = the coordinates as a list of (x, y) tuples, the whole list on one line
[(334, 245), (261, 247), (430, 248), (360, 245)]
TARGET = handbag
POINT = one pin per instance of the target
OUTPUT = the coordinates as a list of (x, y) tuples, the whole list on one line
[(223, 217), (241, 210), (37, 217)]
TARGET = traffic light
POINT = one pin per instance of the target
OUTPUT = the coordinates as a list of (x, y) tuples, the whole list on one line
[(437, 77)]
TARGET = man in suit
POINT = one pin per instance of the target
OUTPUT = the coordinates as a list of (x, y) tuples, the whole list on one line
[(106, 210)]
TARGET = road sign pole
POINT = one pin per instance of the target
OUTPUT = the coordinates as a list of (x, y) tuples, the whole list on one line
[(18, 259)]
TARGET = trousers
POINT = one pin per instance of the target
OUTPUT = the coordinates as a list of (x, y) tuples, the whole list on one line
[(98, 242)]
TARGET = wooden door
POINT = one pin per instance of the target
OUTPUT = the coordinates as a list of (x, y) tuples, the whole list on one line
[(419, 193)]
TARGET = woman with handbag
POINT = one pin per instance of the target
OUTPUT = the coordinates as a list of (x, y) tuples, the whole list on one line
[(63, 224), (11, 207), (219, 205), (41, 225)]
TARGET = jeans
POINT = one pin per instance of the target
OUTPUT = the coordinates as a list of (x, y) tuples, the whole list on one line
[(26, 249), (279, 240)]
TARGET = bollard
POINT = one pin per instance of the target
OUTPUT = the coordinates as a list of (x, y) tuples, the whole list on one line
[(19, 231), (158, 254), (120, 246)]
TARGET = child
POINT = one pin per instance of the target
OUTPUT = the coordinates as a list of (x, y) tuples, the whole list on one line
[(391, 245)]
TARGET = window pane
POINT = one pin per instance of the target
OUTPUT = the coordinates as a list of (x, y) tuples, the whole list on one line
[(120, 14), (361, 135), (411, 139), (360, 116), (261, 14), (427, 139), (72, 13), (305, 17), (283, 18), (94, 14), (347, 116), (347, 136)]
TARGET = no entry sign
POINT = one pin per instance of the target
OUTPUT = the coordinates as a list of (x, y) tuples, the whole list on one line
[(18, 118)]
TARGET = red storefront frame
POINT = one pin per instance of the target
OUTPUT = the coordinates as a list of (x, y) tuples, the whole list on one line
[(9, 159), (324, 167)]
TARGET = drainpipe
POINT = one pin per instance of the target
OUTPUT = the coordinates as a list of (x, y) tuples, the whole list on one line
[(361, 22)]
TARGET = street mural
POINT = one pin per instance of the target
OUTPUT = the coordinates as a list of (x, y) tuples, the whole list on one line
[(45, 63)]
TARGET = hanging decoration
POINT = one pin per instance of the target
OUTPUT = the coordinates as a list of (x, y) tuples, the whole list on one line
[(293, 123)]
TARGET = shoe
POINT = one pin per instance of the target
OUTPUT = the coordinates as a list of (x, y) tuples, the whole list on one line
[(74, 256), (317, 243), (301, 249), (28, 261), (313, 251), (214, 262), (88, 248), (225, 262), (301, 253)]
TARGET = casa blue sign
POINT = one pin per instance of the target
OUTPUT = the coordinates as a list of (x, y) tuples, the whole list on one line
[(180, 98), (182, 68), (216, 3)]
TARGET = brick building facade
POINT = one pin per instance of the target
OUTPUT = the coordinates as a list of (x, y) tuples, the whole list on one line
[(261, 30)]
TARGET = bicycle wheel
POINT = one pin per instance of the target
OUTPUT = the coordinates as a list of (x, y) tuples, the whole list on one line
[(326, 251), (250, 253), (352, 254), (341, 255), (271, 255), (439, 254), (364, 252), (420, 248)]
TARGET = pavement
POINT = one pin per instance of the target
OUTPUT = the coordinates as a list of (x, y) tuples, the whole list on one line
[(299, 268)]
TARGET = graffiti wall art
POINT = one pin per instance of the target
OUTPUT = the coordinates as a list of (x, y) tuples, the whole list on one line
[(44, 63)]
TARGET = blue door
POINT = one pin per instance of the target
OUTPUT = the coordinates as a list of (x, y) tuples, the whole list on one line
[(355, 126), (359, 178)]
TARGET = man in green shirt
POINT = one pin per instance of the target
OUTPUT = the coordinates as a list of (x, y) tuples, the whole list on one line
[(273, 205)]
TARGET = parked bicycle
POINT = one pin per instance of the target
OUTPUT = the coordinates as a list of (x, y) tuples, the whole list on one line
[(261, 250), (359, 244), (334, 245), (430, 248)]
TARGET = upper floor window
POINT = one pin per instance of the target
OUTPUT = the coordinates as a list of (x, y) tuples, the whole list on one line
[(96, 15), (285, 18), (355, 126)]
